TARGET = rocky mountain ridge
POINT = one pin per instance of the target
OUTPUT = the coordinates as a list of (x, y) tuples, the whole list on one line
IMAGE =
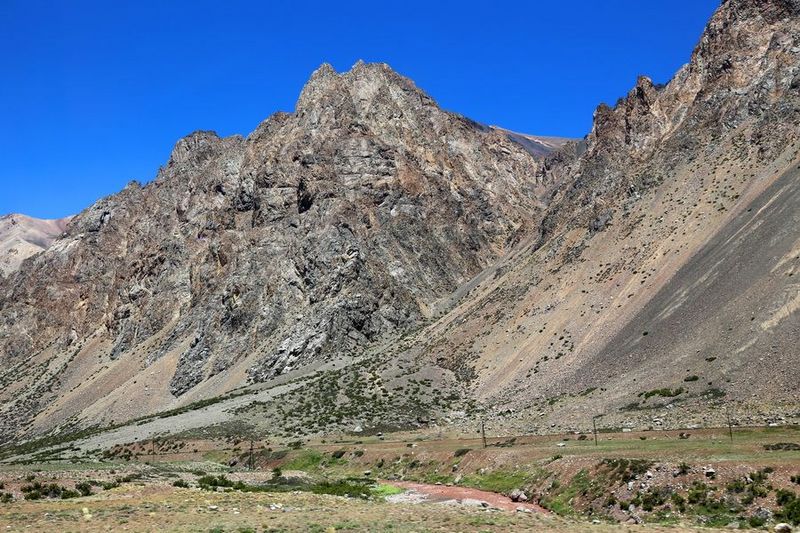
[(324, 230)]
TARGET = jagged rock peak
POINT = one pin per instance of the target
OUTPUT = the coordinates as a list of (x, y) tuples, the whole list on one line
[(361, 83), (198, 145), (770, 9), (747, 49)]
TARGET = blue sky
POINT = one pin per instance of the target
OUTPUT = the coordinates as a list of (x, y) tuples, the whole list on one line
[(95, 93)]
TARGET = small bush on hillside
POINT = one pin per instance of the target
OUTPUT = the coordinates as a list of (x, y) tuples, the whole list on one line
[(84, 488), (461, 452), (784, 496), (679, 502), (790, 512), (737, 486), (180, 483), (212, 482), (783, 446)]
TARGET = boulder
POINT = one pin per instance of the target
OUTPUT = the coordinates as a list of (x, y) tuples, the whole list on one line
[(518, 496)]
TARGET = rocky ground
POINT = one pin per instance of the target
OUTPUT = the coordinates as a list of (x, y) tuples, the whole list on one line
[(406, 482), (371, 263)]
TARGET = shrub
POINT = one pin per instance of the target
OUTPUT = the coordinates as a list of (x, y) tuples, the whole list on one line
[(758, 477), (665, 393), (784, 497), (679, 501), (84, 488), (66, 494), (458, 453), (697, 493), (737, 486), (5, 497), (691, 378), (790, 512), (180, 483), (654, 498), (212, 482), (36, 490)]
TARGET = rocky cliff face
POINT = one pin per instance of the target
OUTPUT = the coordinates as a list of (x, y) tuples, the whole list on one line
[(23, 236), (326, 229), (661, 251)]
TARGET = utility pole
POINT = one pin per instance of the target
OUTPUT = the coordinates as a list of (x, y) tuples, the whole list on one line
[(730, 424), (483, 432), (594, 428)]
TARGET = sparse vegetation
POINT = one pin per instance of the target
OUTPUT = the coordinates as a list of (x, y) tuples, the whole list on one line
[(665, 392)]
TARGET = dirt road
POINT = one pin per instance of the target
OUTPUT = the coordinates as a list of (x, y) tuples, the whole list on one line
[(425, 493)]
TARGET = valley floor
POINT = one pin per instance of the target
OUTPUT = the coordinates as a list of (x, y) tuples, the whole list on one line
[(163, 508), (648, 481)]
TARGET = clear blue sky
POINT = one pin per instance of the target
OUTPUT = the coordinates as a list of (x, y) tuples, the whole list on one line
[(95, 93)]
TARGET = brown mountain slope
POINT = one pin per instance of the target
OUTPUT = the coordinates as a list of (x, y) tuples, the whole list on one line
[(668, 255), (336, 226), (22, 236)]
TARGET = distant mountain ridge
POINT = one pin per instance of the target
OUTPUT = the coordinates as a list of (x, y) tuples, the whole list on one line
[(22, 236)]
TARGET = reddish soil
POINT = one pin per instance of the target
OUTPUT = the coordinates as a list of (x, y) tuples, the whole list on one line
[(442, 493)]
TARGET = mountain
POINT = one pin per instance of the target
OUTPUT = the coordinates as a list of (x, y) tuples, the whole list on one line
[(325, 230), (537, 145), (663, 271), (372, 262), (23, 236)]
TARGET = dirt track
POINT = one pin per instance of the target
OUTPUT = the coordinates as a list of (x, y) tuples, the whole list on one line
[(465, 495)]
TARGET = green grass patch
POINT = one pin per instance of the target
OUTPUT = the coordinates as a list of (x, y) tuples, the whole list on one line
[(383, 490), (305, 460), (497, 481)]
